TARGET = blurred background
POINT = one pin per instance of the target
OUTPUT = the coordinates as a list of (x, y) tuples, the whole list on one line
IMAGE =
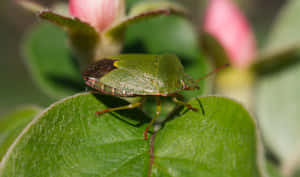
[(17, 87)]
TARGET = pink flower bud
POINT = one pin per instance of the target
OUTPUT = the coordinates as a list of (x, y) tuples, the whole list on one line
[(224, 21), (99, 13)]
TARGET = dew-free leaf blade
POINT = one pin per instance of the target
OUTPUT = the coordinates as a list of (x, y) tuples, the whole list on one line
[(12, 124), (84, 38), (278, 114), (284, 40), (50, 61), (69, 139), (284, 34), (218, 140), (142, 14), (148, 6), (166, 34)]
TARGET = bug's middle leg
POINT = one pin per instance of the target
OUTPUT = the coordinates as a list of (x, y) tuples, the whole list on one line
[(184, 104), (130, 106), (158, 110)]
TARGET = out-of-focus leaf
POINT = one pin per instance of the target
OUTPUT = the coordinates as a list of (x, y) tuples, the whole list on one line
[(285, 33), (268, 64), (214, 49), (142, 14), (273, 171), (84, 37), (131, 3), (148, 6), (12, 124), (277, 105), (284, 39), (165, 34), (50, 61), (69, 139)]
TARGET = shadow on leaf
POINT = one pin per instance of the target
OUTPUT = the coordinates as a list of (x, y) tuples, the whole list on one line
[(135, 117)]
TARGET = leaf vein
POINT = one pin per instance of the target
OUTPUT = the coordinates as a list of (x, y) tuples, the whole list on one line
[(125, 163)]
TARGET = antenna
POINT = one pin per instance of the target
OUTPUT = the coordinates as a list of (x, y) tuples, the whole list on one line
[(213, 72)]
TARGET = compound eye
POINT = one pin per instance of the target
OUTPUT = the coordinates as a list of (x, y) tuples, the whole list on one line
[(116, 64)]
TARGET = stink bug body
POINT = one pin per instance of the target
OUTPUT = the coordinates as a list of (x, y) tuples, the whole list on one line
[(140, 75)]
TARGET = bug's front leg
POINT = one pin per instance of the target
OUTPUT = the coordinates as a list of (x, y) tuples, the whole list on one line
[(130, 106), (185, 104)]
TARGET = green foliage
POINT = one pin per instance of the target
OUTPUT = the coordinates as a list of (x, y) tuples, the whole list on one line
[(50, 61), (84, 38), (69, 139), (214, 49), (284, 41), (272, 170), (148, 6), (12, 124), (285, 32), (142, 12), (277, 90), (170, 34), (212, 142), (277, 105)]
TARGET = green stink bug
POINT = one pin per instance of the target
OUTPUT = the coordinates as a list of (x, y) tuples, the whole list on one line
[(140, 75)]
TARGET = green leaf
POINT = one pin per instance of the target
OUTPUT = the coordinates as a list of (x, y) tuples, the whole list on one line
[(12, 124), (69, 139), (84, 38), (214, 49), (50, 61), (277, 105), (118, 29), (218, 140), (273, 171), (165, 34), (268, 64), (148, 6), (131, 3), (286, 29), (284, 39)]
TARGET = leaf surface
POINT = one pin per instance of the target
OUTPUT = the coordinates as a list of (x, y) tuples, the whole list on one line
[(215, 141), (84, 38), (68, 139), (142, 12), (278, 114), (166, 34), (284, 40), (50, 61), (285, 33), (12, 124)]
